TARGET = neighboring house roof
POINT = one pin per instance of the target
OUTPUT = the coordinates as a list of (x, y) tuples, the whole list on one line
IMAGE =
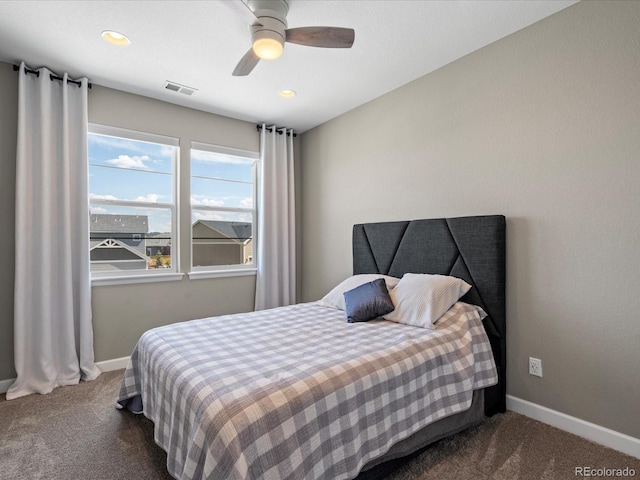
[(156, 239), (239, 231), (122, 224), (112, 249)]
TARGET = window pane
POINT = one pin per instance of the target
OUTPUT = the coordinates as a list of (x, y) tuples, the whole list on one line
[(216, 165), (222, 181), (221, 238), (129, 238), (124, 174), (221, 193), (123, 169), (125, 153), (120, 184)]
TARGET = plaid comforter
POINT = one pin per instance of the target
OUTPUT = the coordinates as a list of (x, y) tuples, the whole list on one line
[(297, 392)]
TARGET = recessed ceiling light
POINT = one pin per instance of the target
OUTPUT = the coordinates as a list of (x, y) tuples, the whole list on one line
[(287, 93), (116, 38)]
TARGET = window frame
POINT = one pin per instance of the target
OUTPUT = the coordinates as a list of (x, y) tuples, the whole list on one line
[(208, 271), (139, 275)]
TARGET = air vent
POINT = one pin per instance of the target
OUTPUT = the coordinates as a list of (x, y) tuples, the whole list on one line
[(176, 87)]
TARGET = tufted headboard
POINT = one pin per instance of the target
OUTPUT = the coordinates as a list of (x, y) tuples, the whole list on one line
[(470, 248)]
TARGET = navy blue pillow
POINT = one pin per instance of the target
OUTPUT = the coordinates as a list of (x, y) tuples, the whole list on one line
[(368, 301)]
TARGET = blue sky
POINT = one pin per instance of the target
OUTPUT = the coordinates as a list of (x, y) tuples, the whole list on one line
[(129, 170)]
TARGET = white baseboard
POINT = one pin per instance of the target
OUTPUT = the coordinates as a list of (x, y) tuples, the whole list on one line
[(5, 384), (604, 436), (114, 364), (106, 366)]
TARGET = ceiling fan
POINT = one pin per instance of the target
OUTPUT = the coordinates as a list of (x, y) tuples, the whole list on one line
[(268, 25)]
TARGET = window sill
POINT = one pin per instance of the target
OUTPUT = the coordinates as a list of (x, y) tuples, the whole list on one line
[(130, 279), (222, 273), (171, 277)]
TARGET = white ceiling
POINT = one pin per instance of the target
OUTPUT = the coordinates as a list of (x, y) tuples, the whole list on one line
[(198, 43)]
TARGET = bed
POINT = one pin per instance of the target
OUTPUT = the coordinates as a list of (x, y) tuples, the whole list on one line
[(298, 393)]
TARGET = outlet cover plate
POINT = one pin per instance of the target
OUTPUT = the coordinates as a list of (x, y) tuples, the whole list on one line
[(535, 367)]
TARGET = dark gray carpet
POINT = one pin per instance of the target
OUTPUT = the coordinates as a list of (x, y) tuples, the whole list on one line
[(76, 433)]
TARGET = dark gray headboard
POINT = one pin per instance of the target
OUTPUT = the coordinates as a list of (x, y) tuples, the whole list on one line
[(470, 248)]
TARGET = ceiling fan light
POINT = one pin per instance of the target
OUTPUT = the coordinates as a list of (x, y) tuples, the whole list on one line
[(267, 45)]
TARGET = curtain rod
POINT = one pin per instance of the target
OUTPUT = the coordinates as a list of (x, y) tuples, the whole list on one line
[(278, 129), (51, 76)]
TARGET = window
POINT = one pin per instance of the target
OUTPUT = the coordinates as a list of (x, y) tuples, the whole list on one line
[(132, 198), (223, 207), (135, 207)]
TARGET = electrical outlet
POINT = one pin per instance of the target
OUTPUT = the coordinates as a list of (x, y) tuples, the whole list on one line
[(535, 367)]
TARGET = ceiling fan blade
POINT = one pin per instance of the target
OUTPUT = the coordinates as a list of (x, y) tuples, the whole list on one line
[(246, 64), (325, 37), (243, 10)]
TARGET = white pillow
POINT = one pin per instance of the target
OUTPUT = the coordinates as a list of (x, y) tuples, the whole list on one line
[(335, 298), (421, 299)]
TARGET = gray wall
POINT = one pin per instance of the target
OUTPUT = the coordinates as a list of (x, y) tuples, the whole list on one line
[(8, 134), (121, 313), (543, 127)]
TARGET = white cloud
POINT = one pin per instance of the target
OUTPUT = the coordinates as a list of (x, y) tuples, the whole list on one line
[(95, 210), (230, 201), (166, 151), (94, 196), (150, 197), (208, 202), (125, 161), (165, 227), (246, 202)]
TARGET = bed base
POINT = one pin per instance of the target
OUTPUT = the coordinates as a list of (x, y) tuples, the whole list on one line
[(409, 448)]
